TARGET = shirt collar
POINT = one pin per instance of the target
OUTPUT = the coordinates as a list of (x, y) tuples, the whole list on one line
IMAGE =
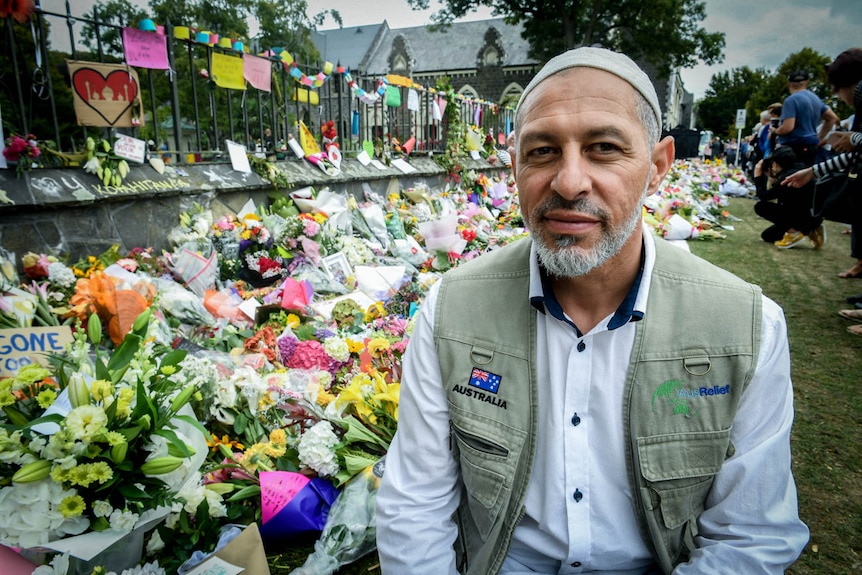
[(632, 307)]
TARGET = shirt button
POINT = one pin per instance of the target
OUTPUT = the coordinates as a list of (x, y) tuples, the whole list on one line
[(576, 564), (578, 495), (581, 345), (576, 420)]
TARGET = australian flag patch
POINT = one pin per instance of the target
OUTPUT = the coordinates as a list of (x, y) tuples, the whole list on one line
[(485, 380)]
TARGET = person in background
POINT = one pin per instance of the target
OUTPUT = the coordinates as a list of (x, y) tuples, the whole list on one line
[(790, 215), (717, 148), (844, 75), (763, 145), (801, 113), (591, 425)]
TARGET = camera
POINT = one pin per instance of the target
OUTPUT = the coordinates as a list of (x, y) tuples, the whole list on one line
[(774, 122)]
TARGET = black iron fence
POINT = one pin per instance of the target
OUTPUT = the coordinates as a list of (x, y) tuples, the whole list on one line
[(189, 116)]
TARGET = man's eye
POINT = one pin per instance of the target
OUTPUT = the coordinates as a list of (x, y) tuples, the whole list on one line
[(541, 151), (605, 147)]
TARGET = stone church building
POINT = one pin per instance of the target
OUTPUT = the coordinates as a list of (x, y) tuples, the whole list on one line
[(486, 59)]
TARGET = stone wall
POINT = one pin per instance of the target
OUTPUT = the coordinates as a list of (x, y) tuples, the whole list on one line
[(70, 214)]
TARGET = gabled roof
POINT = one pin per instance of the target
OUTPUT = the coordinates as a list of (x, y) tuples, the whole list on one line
[(348, 46), (453, 48)]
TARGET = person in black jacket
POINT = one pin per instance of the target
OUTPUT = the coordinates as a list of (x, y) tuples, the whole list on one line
[(790, 214)]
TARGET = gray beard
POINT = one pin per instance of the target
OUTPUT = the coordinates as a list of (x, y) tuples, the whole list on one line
[(561, 256)]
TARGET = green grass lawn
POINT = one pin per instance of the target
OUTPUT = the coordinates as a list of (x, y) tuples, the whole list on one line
[(827, 372)]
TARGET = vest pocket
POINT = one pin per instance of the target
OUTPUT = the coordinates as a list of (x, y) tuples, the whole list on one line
[(480, 459), (679, 469)]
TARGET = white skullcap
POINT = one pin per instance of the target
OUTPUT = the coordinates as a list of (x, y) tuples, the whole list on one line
[(601, 59)]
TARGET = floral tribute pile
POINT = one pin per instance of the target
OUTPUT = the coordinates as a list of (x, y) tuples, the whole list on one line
[(247, 377)]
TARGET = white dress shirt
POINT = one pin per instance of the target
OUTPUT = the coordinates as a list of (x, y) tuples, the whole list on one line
[(579, 512)]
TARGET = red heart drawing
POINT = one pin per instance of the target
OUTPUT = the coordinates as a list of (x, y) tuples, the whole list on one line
[(104, 93)]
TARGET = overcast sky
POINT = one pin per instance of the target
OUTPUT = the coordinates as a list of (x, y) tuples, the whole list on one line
[(758, 33)]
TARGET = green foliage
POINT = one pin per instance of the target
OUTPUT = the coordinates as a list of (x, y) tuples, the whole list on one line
[(110, 13), (754, 90), (666, 32)]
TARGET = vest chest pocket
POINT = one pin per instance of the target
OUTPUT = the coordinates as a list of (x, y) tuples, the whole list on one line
[(679, 470)]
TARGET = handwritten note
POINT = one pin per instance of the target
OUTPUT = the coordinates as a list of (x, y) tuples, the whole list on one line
[(145, 49), (277, 489), (23, 346), (216, 566), (258, 72), (227, 71), (130, 148)]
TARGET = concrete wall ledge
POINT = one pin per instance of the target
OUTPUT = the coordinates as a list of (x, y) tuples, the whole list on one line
[(69, 213)]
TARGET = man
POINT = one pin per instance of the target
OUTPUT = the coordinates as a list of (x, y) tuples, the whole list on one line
[(568, 403), (801, 114), (790, 214)]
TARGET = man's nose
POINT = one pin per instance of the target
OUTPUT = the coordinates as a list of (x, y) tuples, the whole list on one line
[(573, 175)]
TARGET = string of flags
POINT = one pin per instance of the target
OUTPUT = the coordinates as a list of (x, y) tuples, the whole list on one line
[(317, 80)]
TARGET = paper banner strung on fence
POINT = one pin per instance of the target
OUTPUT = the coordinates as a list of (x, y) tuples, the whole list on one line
[(106, 95), (258, 72), (364, 96), (227, 71), (145, 49)]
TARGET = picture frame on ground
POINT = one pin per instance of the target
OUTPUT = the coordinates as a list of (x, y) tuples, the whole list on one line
[(337, 266)]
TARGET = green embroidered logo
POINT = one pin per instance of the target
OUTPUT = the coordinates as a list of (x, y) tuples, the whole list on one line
[(670, 391)]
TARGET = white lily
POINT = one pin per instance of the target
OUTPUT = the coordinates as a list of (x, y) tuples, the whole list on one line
[(92, 165)]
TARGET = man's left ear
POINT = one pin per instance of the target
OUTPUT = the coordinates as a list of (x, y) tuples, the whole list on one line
[(662, 159)]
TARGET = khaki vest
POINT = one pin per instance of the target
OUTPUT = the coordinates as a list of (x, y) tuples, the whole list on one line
[(694, 353)]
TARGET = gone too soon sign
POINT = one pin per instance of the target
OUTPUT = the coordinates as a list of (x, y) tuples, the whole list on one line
[(20, 347)]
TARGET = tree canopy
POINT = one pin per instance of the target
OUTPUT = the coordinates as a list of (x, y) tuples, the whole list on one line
[(666, 33), (754, 90)]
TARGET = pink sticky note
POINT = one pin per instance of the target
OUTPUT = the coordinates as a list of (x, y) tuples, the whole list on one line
[(277, 489), (258, 72), (145, 49)]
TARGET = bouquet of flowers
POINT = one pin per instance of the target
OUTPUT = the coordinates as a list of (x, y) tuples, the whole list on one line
[(93, 446), (24, 150)]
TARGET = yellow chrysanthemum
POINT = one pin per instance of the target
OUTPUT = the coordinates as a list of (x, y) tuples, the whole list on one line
[(293, 320), (6, 397), (72, 506), (114, 438), (355, 346), (59, 475), (101, 472), (273, 450), (278, 436), (46, 398), (324, 398), (168, 369)]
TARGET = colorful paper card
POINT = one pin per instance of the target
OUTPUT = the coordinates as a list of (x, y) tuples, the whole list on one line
[(227, 71), (292, 505), (258, 72), (145, 49)]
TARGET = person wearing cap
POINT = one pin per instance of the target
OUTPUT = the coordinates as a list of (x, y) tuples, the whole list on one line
[(591, 398), (801, 113)]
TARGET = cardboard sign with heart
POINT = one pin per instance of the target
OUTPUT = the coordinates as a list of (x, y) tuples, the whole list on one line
[(106, 95)]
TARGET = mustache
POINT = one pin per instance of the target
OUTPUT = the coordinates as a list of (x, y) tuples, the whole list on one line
[(580, 205)]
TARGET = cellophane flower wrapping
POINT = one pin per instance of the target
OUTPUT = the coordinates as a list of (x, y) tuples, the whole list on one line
[(351, 530)]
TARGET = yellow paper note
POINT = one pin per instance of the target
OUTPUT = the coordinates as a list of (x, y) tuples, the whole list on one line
[(228, 71)]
